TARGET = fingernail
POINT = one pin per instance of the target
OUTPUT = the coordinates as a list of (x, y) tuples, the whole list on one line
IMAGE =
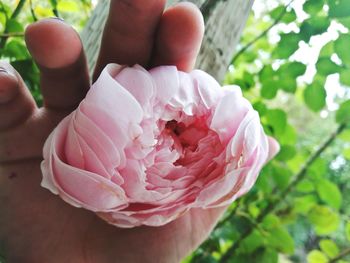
[(57, 18)]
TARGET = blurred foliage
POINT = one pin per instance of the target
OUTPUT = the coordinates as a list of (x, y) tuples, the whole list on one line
[(15, 15), (299, 209)]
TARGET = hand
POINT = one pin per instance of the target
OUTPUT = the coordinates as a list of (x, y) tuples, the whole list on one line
[(38, 227)]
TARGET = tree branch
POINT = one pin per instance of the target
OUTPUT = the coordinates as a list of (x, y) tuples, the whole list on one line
[(342, 255), (262, 34), (273, 205)]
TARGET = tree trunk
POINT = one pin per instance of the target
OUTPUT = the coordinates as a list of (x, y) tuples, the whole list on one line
[(224, 21)]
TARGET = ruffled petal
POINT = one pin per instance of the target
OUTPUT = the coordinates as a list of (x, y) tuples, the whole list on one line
[(145, 147)]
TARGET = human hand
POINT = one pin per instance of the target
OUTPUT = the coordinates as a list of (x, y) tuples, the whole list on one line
[(36, 226)]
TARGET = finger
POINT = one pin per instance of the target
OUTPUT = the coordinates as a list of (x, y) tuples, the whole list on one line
[(16, 102), (129, 32), (179, 37), (57, 49)]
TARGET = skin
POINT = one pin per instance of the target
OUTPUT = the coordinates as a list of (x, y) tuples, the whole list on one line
[(38, 227)]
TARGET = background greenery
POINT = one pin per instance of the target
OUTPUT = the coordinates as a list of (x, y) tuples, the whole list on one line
[(293, 64)]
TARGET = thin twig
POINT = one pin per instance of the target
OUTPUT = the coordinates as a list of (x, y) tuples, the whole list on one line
[(32, 11), (342, 255), (13, 34), (54, 8), (273, 205), (262, 34), (18, 9)]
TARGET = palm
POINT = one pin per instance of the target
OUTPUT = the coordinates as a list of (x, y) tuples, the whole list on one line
[(36, 226)]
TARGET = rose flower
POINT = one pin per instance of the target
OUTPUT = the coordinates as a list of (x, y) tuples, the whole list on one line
[(144, 147)]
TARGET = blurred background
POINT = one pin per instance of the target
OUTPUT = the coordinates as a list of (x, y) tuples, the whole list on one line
[(293, 64)]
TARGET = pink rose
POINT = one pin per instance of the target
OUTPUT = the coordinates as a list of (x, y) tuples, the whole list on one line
[(144, 147)]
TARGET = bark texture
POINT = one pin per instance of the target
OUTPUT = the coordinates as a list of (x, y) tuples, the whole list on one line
[(225, 20)]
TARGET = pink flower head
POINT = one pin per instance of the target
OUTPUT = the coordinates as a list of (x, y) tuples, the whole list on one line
[(144, 147)]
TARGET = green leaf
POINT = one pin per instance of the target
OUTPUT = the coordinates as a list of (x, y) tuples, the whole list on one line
[(346, 153), (288, 44), (276, 12), (260, 107), (345, 21), (289, 136), (324, 219), (271, 221), (339, 8), (315, 97), (284, 78), (53, 3), (327, 50), (269, 89), (252, 242), (314, 26), (345, 135), (254, 210), (345, 77), (280, 239), (248, 79), (13, 26), (286, 153), (269, 256), (267, 73), (264, 183), (305, 186), (304, 204), (329, 193), (277, 120), (281, 175), (329, 248), (341, 47), (16, 50), (288, 16), (318, 169), (342, 115), (292, 69), (288, 84), (347, 230), (2, 23), (325, 66), (312, 7), (316, 256), (68, 6)]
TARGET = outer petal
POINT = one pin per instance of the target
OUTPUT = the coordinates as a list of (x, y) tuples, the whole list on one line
[(139, 83), (228, 115), (167, 82), (108, 94)]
